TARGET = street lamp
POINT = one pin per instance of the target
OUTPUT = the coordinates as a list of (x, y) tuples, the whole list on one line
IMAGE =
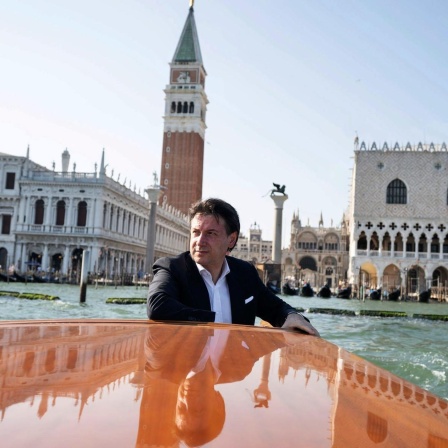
[(153, 193)]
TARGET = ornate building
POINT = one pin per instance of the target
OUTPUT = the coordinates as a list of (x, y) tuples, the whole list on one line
[(48, 218), (184, 122), (318, 255), (399, 217), (252, 247)]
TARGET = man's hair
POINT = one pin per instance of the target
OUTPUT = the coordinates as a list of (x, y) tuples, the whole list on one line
[(220, 210), (210, 426)]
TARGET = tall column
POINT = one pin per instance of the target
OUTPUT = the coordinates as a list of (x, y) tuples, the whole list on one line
[(66, 260), (45, 263), (153, 193), (277, 240)]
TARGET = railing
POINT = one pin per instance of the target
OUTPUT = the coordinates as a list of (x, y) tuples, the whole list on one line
[(400, 254), (63, 176), (42, 228)]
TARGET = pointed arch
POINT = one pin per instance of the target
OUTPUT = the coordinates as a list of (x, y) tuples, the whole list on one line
[(396, 192), (362, 241)]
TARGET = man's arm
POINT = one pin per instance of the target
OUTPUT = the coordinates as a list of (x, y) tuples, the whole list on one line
[(169, 296), (279, 313)]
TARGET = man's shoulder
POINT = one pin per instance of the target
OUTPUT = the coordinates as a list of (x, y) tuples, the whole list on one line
[(178, 260), (240, 265)]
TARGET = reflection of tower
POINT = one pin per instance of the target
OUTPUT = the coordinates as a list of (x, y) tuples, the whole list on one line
[(184, 122), (262, 394)]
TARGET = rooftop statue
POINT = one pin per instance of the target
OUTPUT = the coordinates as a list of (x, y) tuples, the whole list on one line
[(278, 189)]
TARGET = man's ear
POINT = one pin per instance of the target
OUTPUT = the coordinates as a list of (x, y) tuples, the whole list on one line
[(233, 240)]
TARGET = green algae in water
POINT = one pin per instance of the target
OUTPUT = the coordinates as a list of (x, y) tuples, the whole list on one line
[(126, 300)]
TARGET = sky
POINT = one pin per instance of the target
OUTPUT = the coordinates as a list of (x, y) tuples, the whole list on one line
[(291, 83)]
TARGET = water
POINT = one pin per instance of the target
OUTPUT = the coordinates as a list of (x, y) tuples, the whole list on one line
[(415, 349)]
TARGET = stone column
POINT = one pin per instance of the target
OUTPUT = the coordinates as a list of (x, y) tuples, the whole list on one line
[(153, 193), (66, 260), (277, 238), (45, 263)]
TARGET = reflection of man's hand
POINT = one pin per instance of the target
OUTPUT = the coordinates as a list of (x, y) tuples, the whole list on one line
[(297, 322)]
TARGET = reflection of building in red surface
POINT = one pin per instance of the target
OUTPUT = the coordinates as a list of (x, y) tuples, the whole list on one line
[(59, 359), (362, 396), (371, 420), (140, 366)]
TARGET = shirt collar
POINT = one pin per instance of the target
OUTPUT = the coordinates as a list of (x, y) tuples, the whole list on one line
[(224, 271)]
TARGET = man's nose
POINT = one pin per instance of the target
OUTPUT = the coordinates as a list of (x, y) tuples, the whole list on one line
[(200, 238)]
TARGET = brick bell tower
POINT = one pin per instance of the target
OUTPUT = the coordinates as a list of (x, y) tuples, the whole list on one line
[(184, 122)]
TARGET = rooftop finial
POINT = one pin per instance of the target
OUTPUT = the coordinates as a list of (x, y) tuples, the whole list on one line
[(191, 4)]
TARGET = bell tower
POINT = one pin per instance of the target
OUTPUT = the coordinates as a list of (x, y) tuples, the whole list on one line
[(184, 122)]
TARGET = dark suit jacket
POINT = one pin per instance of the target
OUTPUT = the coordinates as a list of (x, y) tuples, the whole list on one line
[(178, 292)]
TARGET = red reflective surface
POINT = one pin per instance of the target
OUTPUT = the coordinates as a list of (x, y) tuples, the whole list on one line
[(139, 383)]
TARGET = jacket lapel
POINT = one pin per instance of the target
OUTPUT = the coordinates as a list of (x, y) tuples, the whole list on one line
[(236, 297), (197, 290)]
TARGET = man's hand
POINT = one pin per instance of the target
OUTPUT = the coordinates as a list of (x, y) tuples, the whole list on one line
[(297, 322)]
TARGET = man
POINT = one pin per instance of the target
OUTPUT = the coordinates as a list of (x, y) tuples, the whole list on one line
[(207, 285)]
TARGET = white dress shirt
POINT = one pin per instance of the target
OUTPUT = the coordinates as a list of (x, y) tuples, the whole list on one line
[(218, 293)]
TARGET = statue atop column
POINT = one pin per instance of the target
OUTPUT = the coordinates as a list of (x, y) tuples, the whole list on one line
[(278, 189)]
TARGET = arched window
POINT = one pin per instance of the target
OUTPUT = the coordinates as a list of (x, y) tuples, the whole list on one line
[(191, 108), (185, 111), (111, 217), (39, 212), (173, 107), (396, 192), (179, 107), (82, 214), (60, 213), (104, 215)]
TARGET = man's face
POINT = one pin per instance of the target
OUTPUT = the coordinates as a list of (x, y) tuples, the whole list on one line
[(209, 241)]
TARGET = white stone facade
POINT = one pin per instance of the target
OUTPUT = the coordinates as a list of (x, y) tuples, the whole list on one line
[(399, 217), (48, 218), (252, 247)]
